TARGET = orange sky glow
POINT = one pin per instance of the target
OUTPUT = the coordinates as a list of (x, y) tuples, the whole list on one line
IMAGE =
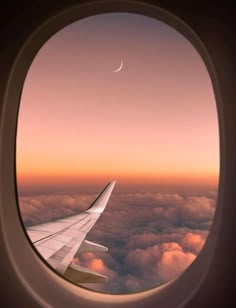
[(155, 120)]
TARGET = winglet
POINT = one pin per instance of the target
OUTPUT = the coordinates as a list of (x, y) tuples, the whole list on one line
[(100, 203)]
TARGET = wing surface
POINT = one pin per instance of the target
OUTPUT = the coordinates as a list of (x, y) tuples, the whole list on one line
[(59, 240)]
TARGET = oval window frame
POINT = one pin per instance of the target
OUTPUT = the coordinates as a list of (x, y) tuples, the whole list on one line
[(15, 236)]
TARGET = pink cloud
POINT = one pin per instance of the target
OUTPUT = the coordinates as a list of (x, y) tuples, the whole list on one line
[(192, 242), (151, 237), (173, 261), (164, 261), (91, 261)]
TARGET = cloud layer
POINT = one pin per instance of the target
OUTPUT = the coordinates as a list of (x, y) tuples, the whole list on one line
[(151, 237)]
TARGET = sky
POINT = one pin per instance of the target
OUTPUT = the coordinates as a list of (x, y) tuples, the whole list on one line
[(152, 127), (156, 119)]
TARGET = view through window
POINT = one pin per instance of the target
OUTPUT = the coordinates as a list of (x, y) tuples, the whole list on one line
[(119, 97)]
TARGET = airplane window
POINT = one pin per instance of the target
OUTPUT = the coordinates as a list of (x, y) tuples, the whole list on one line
[(117, 153)]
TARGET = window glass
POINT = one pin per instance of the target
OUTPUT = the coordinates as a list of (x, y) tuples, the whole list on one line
[(124, 97)]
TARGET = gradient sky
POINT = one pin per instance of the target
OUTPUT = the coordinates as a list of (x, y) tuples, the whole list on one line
[(156, 119)]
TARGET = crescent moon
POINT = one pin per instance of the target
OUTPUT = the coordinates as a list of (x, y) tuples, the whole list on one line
[(121, 65)]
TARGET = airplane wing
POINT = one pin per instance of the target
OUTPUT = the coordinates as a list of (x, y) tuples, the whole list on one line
[(58, 241)]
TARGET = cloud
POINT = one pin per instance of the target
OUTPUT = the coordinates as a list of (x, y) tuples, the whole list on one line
[(164, 261), (91, 261), (173, 261), (151, 237), (193, 242), (43, 208)]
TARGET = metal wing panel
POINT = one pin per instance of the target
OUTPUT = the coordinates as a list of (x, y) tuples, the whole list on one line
[(58, 241), (49, 245), (63, 254), (41, 231)]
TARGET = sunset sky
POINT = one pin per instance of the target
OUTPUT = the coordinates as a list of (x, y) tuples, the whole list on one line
[(155, 120), (152, 127)]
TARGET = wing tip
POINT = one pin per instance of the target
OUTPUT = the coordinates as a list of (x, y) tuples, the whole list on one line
[(100, 202)]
